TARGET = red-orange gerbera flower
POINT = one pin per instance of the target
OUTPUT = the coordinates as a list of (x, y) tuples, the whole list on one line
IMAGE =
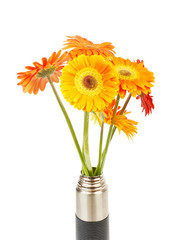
[(146, 99), (80, 45), (36, 77), (146, 103)]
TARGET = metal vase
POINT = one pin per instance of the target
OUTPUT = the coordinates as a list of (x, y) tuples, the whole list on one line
[(92, 215)]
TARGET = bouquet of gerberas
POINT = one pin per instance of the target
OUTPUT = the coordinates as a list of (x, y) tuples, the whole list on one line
[(93, 79)]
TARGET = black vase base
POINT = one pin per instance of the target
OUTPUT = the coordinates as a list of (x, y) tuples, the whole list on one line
[(92, 230)]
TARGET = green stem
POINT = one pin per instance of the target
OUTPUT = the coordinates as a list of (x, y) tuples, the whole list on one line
[(85, 148), (121, 112), (109, 136), (100, 148), (69, 125)]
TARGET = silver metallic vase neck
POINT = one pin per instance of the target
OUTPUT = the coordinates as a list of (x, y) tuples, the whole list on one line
[(92, 198), (91, 184)]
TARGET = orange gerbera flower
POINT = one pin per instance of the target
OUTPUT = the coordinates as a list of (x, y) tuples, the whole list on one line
[(36, 77), (121, 121), (80, 45), (133, 77)]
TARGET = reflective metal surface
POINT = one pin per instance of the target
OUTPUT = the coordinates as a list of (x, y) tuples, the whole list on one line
[(92, 198)]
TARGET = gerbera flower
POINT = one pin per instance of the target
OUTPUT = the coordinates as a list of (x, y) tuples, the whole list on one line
[(81, 45), (146, 103), (124, 124), (121, 122), (36, 77), (89, 82), (133, 77)]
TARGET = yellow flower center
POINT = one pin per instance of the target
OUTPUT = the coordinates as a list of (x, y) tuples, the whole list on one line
[(88, 81), (126, 72)]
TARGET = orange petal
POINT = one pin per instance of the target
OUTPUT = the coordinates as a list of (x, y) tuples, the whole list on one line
[(38, 65), (36, 86), (30, 68), (54, 78), (44, 61), (29, 85), (51, 58), (42, 84), (57, 55)]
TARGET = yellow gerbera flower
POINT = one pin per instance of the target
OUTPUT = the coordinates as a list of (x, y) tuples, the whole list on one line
[(89, 82), (133, 77)]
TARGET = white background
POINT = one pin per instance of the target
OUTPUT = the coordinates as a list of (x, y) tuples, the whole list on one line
[(39, 165)]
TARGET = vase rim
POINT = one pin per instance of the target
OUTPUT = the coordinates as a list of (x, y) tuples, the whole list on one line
[(92, 177)]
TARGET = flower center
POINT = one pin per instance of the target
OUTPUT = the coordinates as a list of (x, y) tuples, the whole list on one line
[(125, 72), (89, 82)]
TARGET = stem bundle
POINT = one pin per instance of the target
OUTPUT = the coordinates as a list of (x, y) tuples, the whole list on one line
[(84, 154)]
